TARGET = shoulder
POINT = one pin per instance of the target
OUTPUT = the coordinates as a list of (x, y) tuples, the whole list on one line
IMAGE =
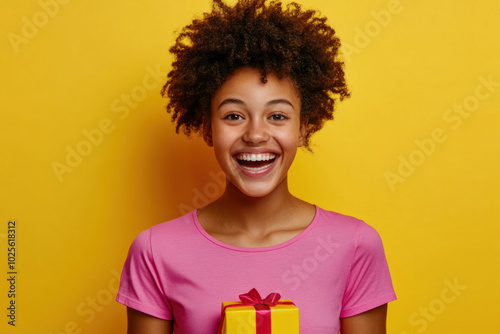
[(341, 222), (176, 225), (161, 233), (361, 234), (336, 217)]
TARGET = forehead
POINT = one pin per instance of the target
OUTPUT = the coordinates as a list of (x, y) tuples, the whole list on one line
[(247, 84)]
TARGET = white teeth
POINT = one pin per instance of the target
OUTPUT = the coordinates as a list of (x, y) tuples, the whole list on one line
[(255, 157), (258, 168)]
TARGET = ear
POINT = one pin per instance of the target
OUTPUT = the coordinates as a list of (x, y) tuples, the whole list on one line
[(303, 132), (207, 132)]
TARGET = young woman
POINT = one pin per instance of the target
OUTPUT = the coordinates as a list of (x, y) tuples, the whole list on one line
[(256, 80)]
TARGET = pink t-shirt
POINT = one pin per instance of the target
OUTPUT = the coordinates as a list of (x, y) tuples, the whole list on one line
[(335, 268)]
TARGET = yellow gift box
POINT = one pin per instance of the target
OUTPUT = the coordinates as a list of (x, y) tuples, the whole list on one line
[(254, 315)]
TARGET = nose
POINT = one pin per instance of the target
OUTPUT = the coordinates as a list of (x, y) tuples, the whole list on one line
[(256, 132)]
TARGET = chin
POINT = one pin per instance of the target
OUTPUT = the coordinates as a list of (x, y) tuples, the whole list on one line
[(256, 194), (256, 191)]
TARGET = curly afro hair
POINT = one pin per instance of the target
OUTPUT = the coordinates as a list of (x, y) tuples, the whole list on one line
[(289, 42)]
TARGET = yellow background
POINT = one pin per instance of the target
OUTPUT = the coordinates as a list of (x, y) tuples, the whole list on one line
[(74, 71)]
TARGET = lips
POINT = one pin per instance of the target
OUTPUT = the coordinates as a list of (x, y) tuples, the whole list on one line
[(255, 162)]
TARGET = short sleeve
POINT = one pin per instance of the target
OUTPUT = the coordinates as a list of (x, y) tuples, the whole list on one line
[(140, 286), (369, 284)]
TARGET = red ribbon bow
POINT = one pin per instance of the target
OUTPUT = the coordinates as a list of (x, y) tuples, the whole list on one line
[(253, 298), (262, 309)]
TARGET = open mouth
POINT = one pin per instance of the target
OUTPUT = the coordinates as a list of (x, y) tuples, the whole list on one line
[(255, 161)]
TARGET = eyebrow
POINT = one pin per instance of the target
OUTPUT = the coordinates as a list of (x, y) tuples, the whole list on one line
[(240, 102)]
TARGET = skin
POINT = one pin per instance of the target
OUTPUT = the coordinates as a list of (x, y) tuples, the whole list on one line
[(141, 323), (249, 116), (257, 208), (369, 322)]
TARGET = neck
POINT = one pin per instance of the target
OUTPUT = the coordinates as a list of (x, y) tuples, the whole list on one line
[(244, 212)]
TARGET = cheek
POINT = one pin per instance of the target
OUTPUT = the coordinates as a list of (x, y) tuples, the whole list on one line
[(222, 143), (290, 137), (222, 137)]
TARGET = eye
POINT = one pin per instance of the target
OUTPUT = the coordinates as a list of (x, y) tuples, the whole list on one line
[(233, 117), (278, 117)]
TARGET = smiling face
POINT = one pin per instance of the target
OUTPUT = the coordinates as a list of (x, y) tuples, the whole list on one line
[(256, 130)]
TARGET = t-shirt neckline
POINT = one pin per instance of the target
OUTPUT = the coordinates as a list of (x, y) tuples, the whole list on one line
[(194, 216)]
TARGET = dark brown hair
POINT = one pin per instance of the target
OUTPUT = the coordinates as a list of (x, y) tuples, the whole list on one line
[(286, 41)]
